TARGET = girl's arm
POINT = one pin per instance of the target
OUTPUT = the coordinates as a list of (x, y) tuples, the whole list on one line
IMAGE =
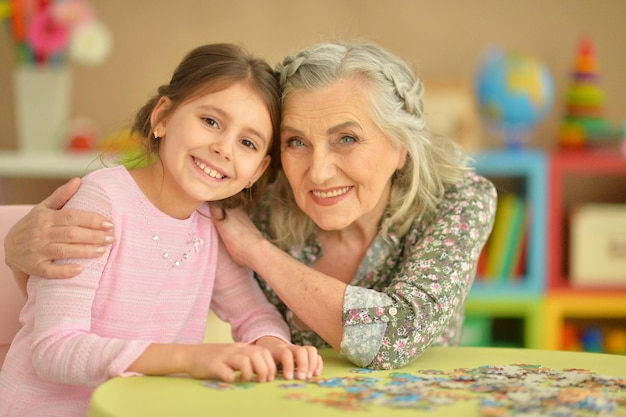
[(207, 361), (238, 300), (62, 323), (67, 349)]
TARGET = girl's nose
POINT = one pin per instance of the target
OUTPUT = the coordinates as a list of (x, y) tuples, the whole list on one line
[(223, 148)]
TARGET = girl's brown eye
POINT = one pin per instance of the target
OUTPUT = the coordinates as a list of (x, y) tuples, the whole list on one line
[(248, 143), (210, 122)]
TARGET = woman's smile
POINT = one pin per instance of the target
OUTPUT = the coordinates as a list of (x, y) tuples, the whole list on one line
[(330, 197)]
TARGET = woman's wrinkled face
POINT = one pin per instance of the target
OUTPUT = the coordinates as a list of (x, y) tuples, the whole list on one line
[(338, 163)]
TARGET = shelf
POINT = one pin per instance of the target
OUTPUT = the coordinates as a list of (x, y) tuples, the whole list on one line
[(577, 178), (51, 165), (522, 172), (513, 303), (561, 307), (542, 306), (527, 309)]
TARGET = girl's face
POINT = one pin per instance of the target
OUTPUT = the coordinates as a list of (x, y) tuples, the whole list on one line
[(338, 163), (215, 145)]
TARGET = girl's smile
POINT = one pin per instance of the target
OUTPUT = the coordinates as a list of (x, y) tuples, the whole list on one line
[(211, 172), (212, 147)]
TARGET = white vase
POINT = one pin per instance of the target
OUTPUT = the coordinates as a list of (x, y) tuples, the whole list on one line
[(42, 106)]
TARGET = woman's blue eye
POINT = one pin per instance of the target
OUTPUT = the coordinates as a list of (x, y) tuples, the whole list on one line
[(348, 139), (294, 142)]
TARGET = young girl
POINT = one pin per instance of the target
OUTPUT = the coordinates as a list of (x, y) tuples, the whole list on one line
[(142, 308)]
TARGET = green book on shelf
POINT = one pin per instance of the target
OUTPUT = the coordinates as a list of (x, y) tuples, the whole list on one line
[(518, 263), (500, 242), (515, 235)]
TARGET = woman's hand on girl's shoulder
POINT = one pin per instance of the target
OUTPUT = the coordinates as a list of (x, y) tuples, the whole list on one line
[(237, 231), (47, 233)]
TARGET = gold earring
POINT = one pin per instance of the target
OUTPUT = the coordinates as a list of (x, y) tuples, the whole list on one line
[(156, 134)]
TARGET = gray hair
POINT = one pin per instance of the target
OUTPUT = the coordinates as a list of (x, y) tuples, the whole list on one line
[(396, 98)]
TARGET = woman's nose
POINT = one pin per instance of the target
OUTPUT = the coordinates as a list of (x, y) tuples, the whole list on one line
[(322, 166)]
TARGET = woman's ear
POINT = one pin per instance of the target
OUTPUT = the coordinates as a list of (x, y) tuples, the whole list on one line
[(158, 116), (402, 158)]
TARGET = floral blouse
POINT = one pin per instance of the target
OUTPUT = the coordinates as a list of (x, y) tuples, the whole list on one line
[(408, 294)]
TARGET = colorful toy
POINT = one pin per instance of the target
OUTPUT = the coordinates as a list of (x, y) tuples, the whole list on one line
[(571, 337), (515, 92), (592, 338), (583, 120), (82, 135), (615, 341)]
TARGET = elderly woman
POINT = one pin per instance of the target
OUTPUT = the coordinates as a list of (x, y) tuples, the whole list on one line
[(369, 238)]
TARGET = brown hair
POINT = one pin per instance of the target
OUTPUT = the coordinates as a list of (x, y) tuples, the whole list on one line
[(211, 68)]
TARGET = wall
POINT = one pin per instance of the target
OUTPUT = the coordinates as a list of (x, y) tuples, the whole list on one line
[(442, 39)]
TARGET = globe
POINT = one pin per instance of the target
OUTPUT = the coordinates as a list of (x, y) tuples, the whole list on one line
[(515, 92)]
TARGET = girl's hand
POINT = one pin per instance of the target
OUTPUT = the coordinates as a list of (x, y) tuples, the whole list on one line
[(226, 361), (301, 362)]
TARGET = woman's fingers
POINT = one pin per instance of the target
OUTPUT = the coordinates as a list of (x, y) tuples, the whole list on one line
[(61, 195), (76, 226)]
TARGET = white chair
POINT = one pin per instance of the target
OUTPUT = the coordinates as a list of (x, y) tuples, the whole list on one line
[(11, 298)]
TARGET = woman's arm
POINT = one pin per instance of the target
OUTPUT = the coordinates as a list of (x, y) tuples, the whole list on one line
[(420, 303), (47, 233), (314, 297)]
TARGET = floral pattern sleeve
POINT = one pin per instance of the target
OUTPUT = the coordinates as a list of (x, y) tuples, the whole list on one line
[(425, 286), (409, 291)]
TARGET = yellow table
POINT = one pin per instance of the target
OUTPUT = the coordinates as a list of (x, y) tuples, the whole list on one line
[(172, 396)]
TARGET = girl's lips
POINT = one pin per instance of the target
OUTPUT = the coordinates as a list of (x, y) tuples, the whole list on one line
[(210, 171)]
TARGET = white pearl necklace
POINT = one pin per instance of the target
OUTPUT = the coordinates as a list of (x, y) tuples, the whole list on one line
[(193, 241)]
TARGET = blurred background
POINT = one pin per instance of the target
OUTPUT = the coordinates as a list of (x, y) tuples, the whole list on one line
[(445, 42), (442, 39)]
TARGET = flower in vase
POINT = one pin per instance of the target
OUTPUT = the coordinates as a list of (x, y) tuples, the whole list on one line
[(54, 31), (73, 13), (45, 35), (90, 44)]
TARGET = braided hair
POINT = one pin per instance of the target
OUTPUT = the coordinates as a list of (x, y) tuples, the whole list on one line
[(396, 99)]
